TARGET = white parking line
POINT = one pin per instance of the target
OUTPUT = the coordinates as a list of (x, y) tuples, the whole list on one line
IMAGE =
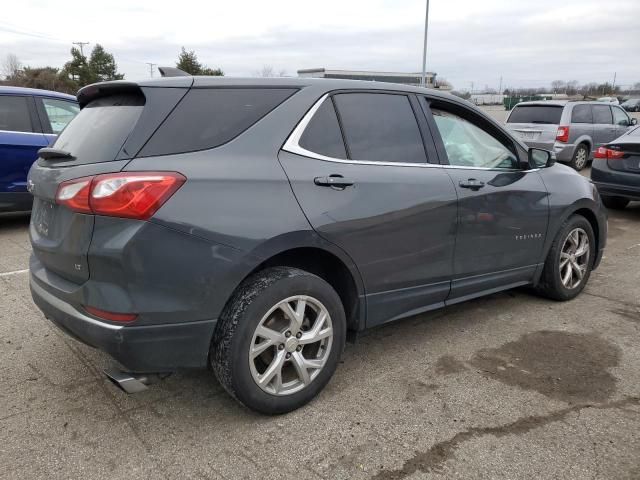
[(15, 272)]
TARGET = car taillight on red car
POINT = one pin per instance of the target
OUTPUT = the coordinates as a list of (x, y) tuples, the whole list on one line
[(607, 153), (127, 194), (562, 134)]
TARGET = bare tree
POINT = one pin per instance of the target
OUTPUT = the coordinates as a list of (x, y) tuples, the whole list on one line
[(557, 85), (11, 66), (269, 71)]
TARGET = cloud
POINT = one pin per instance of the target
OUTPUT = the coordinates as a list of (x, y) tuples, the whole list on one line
[(527, 43)]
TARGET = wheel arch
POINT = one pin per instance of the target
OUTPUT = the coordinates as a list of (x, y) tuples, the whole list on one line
[(308, 251)]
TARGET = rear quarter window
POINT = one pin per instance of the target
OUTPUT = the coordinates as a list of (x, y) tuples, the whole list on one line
[(209, 117), (544, 114)]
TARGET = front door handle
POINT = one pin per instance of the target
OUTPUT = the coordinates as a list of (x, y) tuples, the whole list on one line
[(337, 181), (472, 184)]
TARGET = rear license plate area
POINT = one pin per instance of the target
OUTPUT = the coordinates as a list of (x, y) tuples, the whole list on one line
[(42, 217)]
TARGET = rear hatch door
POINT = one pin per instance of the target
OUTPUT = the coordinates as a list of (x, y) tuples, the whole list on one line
[(115, 121), (536, 125)]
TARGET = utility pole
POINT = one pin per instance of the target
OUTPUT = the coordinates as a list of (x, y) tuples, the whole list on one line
[(424, 50), (613, 88), (151, 65), (500, 88), (81, 44)]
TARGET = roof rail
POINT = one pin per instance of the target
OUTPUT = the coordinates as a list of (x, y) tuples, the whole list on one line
[(172, 72)]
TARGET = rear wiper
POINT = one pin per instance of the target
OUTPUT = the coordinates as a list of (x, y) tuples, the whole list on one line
[(54, 153), (541, 121)]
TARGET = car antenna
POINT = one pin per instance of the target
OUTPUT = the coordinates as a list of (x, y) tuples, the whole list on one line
[(172, 72)]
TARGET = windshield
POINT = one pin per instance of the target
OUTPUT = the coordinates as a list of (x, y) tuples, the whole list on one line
[(546, 114)]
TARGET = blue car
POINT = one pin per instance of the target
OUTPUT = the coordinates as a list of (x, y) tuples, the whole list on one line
[(29, 120)]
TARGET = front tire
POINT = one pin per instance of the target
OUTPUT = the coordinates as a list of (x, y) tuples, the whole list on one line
[(279, 340), (580, 157), (569, 262), (615, 203)]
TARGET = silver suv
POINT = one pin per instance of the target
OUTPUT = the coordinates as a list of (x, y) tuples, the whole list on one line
[(571, 130)]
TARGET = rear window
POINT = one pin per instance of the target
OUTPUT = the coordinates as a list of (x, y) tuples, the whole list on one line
[(536, 114), (98, 132), (581, 114), (208, 117)]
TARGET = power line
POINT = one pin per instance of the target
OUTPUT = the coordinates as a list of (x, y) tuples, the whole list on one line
[(151, 65), (81, 44)]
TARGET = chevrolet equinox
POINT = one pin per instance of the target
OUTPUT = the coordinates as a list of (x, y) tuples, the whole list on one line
[(252, 225)]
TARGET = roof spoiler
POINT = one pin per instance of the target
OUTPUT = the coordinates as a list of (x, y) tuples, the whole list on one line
[(172, 72), (97, 90)]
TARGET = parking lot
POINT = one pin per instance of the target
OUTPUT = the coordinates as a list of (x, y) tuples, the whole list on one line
[(508, 386)]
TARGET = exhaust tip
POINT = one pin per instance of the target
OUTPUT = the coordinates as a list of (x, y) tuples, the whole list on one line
[(126, 381)]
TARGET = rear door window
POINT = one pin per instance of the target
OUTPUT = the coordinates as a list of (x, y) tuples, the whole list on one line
[(98, 132), (58, 114), (602, 114), (380, 127), (543, 114), (323, 134), (581, 114), (209, 117), (14, 114)]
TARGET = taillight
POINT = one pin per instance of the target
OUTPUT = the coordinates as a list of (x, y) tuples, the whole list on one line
[(128, 194), (74, 194), (563, 134), (111, 316), (608, 153)]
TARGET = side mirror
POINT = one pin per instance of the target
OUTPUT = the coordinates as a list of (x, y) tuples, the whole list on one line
[(541, 158), (634, 121)]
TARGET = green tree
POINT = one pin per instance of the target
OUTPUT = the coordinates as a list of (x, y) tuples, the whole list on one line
[(188, 62), (102, 66)]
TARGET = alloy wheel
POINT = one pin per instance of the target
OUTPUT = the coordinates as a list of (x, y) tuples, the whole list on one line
[(581, 158), (574, 258), (290, 345)]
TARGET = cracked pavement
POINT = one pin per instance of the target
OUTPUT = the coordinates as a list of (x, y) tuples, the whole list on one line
[(509, 386)]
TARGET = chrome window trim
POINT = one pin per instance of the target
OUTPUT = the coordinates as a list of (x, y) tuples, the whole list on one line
[(24, 133), (292, 145)]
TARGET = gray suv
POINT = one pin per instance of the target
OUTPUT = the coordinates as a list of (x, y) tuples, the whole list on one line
[(571, 130), (253, 225)]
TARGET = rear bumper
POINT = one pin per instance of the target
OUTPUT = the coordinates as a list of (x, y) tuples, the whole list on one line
[(148, 348), (563, 151), (614, 190), (615, 183), (15, 202)]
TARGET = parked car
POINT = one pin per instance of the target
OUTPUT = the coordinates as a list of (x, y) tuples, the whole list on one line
[(571, 130), (631, 105), (29, 120), (251, 224), (611, 100), (616, 170)]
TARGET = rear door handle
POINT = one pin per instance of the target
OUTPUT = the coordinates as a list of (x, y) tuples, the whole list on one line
[(333, 181), (472, 184)]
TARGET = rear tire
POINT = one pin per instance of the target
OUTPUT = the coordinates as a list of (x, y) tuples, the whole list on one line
[(279, 339), (567, 267), (580, 157), (615, 203)]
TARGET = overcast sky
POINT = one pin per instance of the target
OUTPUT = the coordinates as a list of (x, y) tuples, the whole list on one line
[(527, 42)]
